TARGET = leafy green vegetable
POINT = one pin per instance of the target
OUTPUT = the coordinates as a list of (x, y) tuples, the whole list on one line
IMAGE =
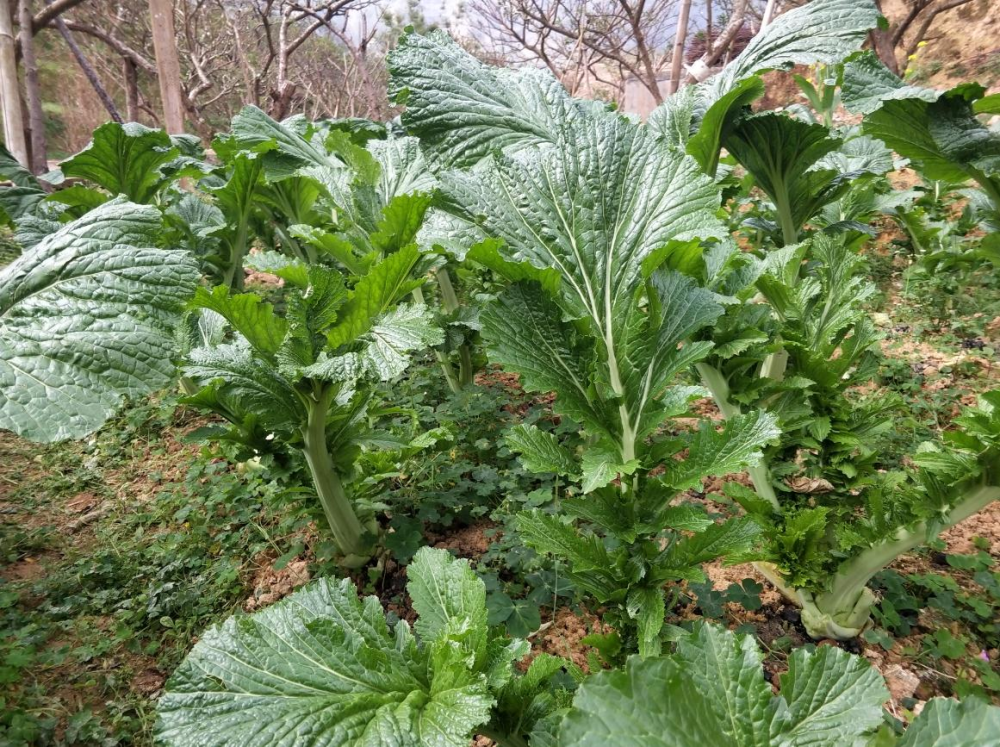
[(129, 159), (937, 130), (86, 319), (698, 118), (581, 222), (711, 692), (313, 369), (462, 110), (323, 667)]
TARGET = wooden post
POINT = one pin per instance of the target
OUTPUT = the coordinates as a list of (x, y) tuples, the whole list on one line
[(168, 66), (677, 60), (10, 94)]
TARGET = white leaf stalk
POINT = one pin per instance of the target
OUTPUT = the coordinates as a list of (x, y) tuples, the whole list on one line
[(844, 610)]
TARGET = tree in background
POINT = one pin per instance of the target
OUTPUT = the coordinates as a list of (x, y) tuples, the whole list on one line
[(907, 32), (581, 40)]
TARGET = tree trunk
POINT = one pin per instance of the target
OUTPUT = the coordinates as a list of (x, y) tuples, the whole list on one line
[(882, 43), (702, 67), (168, 64), (768, 14), (88, 70), (32, 91), (131, 78), (708, 23), (884, 48), (10, 94), (677, 60)]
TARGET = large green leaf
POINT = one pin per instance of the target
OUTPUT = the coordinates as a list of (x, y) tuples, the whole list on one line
[(937, 130), (602, 210), (868, 83), (832, 697), (286, 150), (711, 691), (524, 333), (248, 314), (124, 159), (87, 318), (713, 452), (819, 32), (783, 155), (404, 170), (374, 295), (599, 210), (450, 600), (244, 378), (948, 723), (541, 451), (323, 668), (394, 337), (462, 110)]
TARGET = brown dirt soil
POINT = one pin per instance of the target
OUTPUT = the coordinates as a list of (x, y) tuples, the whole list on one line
[(564, 634), (466, 542), (270, 585)]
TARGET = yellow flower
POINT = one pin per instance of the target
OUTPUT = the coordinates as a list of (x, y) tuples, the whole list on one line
[(921, 45), (912, 57)]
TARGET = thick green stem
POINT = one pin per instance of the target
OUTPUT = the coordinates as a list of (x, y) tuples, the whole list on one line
[(347, 530), (844, 611), (234, 272), (466, 368), (760, 474), (442, 358), (789, 231), (449, 299), (774, 365)]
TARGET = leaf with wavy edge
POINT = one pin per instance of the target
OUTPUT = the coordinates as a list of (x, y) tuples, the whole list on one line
[(711, 691), (322, 667), (86, 319)]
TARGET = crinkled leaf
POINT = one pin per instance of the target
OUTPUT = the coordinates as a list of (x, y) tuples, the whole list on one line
[(248, 314), (552, 209), (712, 691), (541, 451), (726, 669), (320, 668), (450, 600), (649, 703), (87, 318), (394, 337), (949, 723), (587, 556), (820, 32), (375, 293), (124, 159), (462, 110), (647, 607), (832, 698), (246, 378), (602, 466), (524, 333), (713, 452)]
